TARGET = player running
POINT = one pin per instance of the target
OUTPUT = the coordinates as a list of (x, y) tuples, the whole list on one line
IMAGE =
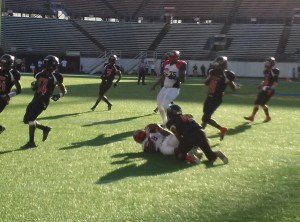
[(46, 81), (155, 139), (9, 77), (110, 71), (190, 134), (217, 81), (267, 88), (173, 75)]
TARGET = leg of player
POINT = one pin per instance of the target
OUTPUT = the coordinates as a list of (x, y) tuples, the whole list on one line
[(96, 103), (266, 111), (31, 143), (206, 119), (251, 117), (109, 105), (45, 129)]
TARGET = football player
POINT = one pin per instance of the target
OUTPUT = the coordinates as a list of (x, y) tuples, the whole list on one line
[(110, 71), (46, 81), (9, 77), (155, 139), (190, 134), (267, 88), (173, 75), (217, 81)]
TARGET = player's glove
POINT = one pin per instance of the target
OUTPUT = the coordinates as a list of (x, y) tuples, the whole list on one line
[(115, 84), (34, 85), (55, 97)]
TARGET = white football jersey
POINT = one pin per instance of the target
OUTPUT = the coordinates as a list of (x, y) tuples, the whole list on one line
[(172, 70), (156, 138)]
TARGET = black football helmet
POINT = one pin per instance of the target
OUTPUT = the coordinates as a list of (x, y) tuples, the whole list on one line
[(112, 59), (270, 62), (220, 62), (51, 62), (7, 61), (174, 110)]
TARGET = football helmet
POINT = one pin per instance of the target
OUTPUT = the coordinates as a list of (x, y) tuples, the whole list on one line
[(51, 62), (112, 59), (139, 136), (270, 62), (220, 62), (7, 61), (174, 110), (174, 56)]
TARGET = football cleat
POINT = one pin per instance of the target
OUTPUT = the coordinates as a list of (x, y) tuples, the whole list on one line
[(192, 158), (222, 156), (2, 128), (109, 107), (249, 118), (46, 132), (267, 119), (28, 145), (223, 131)]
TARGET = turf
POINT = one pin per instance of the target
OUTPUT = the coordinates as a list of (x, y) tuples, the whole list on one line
[(90, 169)]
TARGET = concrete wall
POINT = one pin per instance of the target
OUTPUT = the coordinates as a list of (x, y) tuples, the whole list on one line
[(242, 69)]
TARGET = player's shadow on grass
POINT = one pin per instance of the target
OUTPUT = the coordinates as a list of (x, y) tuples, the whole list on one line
[(99, 140), (62, 116), (155, 164), (115, 120)]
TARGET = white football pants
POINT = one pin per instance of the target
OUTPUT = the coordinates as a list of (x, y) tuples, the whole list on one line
[(164, 98), (168, 145)]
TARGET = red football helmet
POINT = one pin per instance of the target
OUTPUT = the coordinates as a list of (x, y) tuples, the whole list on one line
[(139, 136), (174, 56)]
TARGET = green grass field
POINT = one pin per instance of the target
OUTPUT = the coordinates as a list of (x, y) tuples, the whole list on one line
[(90, 169)]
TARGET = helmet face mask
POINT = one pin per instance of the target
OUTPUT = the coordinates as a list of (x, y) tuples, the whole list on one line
[(7, 61), (112, 59), (270, 63), (139, 136), (51, 62), (174, 110), (220, 63), (174, 56)]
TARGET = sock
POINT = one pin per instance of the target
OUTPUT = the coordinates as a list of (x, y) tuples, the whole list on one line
[(31, 133)]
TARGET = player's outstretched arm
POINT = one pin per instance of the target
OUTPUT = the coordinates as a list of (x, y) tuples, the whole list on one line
[(158, 82)]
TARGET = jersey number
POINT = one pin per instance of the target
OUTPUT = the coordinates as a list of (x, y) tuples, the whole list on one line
[(42, 86)]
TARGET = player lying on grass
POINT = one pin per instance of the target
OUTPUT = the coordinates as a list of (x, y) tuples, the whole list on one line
[(155, 139), (190, 134)]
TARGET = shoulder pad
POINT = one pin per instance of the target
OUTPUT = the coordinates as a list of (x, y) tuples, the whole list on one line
[(230, 75), (276, 71)]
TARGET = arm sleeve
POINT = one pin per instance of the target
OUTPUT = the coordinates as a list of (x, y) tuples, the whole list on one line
[(230, 75), (59, 77), (16, 74)]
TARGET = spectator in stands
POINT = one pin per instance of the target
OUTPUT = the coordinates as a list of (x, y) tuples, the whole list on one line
[(23, 65), (203, 70), (142, 72), (64, 65), (32, 68), (146, 68), (195, 70), (40, 64), (153, 69)]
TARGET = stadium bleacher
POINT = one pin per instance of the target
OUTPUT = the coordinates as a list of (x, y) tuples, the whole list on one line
[(253, 41), (190, 39), (44, 36), (248, 39)]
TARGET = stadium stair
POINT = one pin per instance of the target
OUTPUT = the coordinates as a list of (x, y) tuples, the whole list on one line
[(159, 37)]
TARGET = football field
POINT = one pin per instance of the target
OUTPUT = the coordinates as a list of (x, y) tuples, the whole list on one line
[(90, 168)]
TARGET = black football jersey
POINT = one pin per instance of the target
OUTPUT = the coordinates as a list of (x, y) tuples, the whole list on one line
[(270, 76), (184, 124), (46, 83), (219, 81), (110, 72), (7, 80)]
